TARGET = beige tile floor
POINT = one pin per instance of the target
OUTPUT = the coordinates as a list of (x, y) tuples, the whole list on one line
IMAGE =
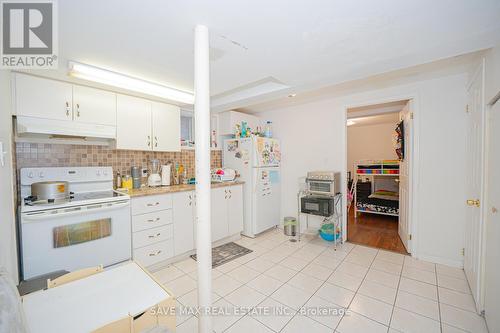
[(363, 289)]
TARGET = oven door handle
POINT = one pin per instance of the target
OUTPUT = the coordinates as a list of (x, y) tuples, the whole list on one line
[(36, 216)]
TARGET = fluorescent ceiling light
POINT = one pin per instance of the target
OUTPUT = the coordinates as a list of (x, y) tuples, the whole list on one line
[(104, 76), (350, 123)]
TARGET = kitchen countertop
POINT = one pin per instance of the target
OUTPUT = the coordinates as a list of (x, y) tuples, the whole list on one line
[(144, 191)]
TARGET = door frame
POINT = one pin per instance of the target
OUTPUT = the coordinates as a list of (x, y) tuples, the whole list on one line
[(413, 99)]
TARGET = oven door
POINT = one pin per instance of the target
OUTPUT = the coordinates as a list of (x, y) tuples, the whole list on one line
[(75, 237)]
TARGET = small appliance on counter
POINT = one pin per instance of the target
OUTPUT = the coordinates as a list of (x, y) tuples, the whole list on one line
[(154, 178), (165, 175)]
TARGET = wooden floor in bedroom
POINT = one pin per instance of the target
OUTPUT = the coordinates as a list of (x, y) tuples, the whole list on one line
[(380, 231)]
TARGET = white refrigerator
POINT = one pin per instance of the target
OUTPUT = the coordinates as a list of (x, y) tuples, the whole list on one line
[(257, 160)]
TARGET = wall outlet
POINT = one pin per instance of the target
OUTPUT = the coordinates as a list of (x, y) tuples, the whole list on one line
[(144, 172)]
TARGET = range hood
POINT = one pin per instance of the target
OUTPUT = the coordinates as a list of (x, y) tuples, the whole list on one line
[(50, 130)]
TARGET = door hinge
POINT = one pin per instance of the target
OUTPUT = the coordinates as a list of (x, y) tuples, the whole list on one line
[(463, 251), (411, 115), (467, 108), (409, 236)]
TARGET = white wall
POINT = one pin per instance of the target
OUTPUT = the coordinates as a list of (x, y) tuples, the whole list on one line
[(370, 142), (314, 137), (8, 252)]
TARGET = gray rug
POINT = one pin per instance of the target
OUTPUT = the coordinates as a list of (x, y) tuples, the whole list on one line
[(225, 253)]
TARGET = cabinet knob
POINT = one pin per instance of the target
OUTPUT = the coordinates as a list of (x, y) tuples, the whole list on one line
[(67, 109), (77, 110), (149, 141), (155, 254), (156, 141)]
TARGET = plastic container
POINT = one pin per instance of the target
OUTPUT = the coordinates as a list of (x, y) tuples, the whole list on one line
[(268, 132), (290, 226), (328, 233)]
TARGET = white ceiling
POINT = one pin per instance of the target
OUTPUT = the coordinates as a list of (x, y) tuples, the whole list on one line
[(297, 45)]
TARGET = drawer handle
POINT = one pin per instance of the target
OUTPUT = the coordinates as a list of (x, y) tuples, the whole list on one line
[(155, 220), (155, 254), (154, 236), (152, 205)]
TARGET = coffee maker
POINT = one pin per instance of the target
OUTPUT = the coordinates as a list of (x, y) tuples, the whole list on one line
[(154, 178)]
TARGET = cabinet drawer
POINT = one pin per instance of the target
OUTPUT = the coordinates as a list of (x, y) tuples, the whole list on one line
[(155, 253), (151, 220), (151, 203), (153, 235)]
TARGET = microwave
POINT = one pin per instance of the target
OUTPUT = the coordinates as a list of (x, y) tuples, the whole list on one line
[(317, 205)]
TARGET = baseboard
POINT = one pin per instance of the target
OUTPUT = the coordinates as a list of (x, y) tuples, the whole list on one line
[(442, 261)]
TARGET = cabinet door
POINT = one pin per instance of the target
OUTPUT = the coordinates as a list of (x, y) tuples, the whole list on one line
[(219, 213), (133, 123), (94, 106), (43, 98), (235, 209), (183, 208), (166, 127)]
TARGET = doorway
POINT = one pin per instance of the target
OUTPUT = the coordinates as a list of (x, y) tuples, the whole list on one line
[(379, 140)]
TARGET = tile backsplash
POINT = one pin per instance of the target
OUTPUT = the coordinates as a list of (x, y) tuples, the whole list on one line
[(29, 155)]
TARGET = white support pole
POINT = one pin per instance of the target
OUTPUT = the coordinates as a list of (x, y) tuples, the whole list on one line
[(202, 153)]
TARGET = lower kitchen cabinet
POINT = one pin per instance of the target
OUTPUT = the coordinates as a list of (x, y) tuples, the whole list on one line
[(219, 213), (164, 225), (183, 212), (235, 209)]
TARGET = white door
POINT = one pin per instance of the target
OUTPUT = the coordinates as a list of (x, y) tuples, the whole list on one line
[(133, 123), (43, 98), (492, 248), (166, 127), (183, 216), (94, 106), (404, 178), (219, 213), (266, 203), (474, 181), (235, 209)]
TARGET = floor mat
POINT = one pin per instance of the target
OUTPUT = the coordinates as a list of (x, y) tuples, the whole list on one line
[(225, 253)]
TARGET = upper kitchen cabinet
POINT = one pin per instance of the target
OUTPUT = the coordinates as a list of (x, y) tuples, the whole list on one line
[(42, 98), (166, 127), (94, 106), (147, 125), (229, 119), (133, 123)]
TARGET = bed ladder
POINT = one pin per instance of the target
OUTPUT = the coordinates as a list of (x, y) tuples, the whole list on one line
[(350, 195)]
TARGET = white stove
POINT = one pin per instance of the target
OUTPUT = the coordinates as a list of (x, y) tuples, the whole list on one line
[(89, 228)]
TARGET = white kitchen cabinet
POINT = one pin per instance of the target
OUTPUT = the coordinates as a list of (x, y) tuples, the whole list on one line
[(146, 125), (166, 127), (183, 210), (42, 98), (229, 119), (94, 106), (133, 123), (235, 209), (219, 213)]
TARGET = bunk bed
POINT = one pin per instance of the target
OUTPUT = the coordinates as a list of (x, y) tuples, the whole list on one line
[(376, 187)]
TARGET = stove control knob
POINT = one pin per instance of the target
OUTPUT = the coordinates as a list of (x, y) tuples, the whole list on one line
[(105, 172), (41, 175), (98, 172), (30, 175)]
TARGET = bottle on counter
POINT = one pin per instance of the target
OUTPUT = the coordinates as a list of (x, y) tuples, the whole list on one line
[(118, 180), (268, 132)]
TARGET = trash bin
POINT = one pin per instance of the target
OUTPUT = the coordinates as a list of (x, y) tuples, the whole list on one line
[(290, 226)]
